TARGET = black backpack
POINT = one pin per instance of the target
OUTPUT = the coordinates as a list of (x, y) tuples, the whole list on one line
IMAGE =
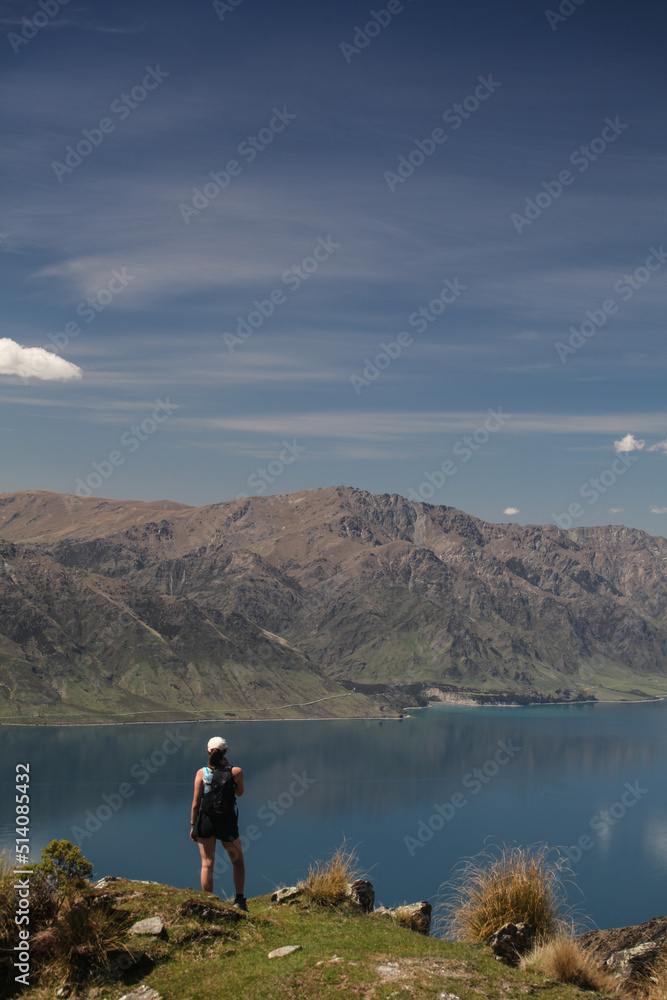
[(219, 803)]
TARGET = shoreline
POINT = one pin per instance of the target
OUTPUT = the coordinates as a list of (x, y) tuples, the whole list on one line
[(464, 702)]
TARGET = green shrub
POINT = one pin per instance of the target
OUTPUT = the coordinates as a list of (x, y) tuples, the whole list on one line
[(64, 866)]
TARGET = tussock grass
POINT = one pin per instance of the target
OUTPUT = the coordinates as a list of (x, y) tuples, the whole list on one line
[(75, 944), (70, 932), (565, 961), (328, 881), (653, 985), (502, 885)]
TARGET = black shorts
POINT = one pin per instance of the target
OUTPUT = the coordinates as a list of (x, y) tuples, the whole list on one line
[(227, 831)]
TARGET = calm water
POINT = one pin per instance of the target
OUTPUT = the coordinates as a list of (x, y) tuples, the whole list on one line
[(590, 775)]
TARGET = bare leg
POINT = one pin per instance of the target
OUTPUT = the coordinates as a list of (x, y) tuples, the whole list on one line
[(235, 852), (207, 851)]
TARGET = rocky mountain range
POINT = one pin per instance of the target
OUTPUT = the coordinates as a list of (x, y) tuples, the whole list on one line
[(328, 602)]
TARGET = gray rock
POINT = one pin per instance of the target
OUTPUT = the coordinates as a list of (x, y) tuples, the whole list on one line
[(286, 895), (142, 992), (362, 894), (287, 949), (511, 941), (633, 961), (414, 916), (391, 970), (102, 882), (151, 925)]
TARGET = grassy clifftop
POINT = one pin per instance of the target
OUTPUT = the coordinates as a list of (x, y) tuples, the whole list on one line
[(204, 956)]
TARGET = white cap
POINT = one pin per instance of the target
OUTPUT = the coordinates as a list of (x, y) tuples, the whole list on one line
[(216, 743)]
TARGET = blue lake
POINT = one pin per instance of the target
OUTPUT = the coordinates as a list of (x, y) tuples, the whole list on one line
[(414, 797)]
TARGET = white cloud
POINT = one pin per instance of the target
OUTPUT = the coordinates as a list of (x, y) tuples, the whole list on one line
[(659, 510), (35, 362), (616, 510), (660, 446), (511, 510), (629, 443)]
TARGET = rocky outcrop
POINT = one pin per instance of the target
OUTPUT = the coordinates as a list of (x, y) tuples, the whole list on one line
[(361, 895), (629, 952), (632, 963)]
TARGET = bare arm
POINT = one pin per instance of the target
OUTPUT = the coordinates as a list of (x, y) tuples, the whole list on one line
[(196, 798), (238, 781)]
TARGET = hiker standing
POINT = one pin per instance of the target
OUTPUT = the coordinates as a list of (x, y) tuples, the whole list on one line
[(215, 816)]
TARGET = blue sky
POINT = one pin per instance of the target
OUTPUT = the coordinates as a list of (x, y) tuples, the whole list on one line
[(214, 216)]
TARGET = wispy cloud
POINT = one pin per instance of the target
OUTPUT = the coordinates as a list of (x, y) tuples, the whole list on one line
[(392, 425)]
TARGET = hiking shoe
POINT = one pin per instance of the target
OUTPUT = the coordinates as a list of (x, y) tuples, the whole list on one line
[(240, 904)]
